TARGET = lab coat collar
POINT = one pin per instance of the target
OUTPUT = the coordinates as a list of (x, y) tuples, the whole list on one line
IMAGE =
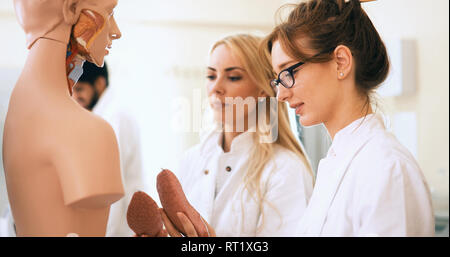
[(242, 143), (356, 129)]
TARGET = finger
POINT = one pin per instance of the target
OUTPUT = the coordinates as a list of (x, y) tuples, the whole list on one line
[(143, 235), (187, 225), (173, 232), (211, 231), (162, 233)]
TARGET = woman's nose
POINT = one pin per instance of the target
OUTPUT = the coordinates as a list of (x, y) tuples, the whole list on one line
[(283, 94), (115, 31), (217, 87)]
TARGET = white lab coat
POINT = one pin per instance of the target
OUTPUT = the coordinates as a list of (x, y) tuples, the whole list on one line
[(368, 185), (7, 223), (127, 134), (286, 185)]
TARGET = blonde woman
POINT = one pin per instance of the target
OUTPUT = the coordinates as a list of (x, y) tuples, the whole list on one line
[(249, 177)]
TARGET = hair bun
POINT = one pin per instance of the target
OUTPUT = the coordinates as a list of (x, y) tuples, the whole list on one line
[(360, 1)]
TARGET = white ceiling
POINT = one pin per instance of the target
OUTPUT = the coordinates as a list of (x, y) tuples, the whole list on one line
[(248, 12), (243, 12)]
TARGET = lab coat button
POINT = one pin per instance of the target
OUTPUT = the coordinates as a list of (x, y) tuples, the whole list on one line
[(206, 172), (228, 168)]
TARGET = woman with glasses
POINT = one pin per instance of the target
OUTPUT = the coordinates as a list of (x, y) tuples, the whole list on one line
[(250, 177), (330, 59)]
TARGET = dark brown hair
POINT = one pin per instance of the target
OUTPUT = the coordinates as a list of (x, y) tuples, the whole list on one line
[(326, 24)]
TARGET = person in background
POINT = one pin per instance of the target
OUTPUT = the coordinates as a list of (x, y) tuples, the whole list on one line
[(91, 92), (87, 92)]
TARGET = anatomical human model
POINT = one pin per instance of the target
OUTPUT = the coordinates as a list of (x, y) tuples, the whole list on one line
[(61, 162)]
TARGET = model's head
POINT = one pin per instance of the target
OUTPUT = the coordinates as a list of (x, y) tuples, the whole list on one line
[(342, 52), (90, 22)]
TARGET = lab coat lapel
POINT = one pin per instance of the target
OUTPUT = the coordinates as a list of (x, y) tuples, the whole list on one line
[(324, 193), (230, 187), (209, 186), (240, 146)]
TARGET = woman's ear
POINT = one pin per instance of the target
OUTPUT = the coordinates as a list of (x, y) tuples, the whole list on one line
[(344, 61), (71, 11)]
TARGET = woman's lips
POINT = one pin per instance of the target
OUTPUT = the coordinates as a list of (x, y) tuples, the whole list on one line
[(298, 108)]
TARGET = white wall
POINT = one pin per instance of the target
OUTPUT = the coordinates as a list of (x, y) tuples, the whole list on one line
[(427, 23), (12, 58)]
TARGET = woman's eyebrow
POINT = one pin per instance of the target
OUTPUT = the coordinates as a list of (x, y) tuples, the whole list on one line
[(234, 68), (227, 69), (284, 65)]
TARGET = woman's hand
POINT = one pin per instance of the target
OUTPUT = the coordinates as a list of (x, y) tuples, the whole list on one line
[(187, 225)]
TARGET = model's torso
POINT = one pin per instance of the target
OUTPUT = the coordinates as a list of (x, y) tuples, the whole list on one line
[(36, 127)]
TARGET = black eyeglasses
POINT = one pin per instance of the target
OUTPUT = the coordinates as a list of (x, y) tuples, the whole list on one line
[(286, 76)]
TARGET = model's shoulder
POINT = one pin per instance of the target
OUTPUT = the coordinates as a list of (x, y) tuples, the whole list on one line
[(100, 131), (79, 126)]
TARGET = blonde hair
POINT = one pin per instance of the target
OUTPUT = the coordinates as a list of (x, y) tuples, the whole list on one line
[(246, 48)]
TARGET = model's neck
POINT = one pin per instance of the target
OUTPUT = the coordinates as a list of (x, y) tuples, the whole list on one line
[(352, 108), (46, 65)]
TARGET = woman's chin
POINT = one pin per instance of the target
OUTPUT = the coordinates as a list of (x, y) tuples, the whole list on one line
[(307, 121)]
